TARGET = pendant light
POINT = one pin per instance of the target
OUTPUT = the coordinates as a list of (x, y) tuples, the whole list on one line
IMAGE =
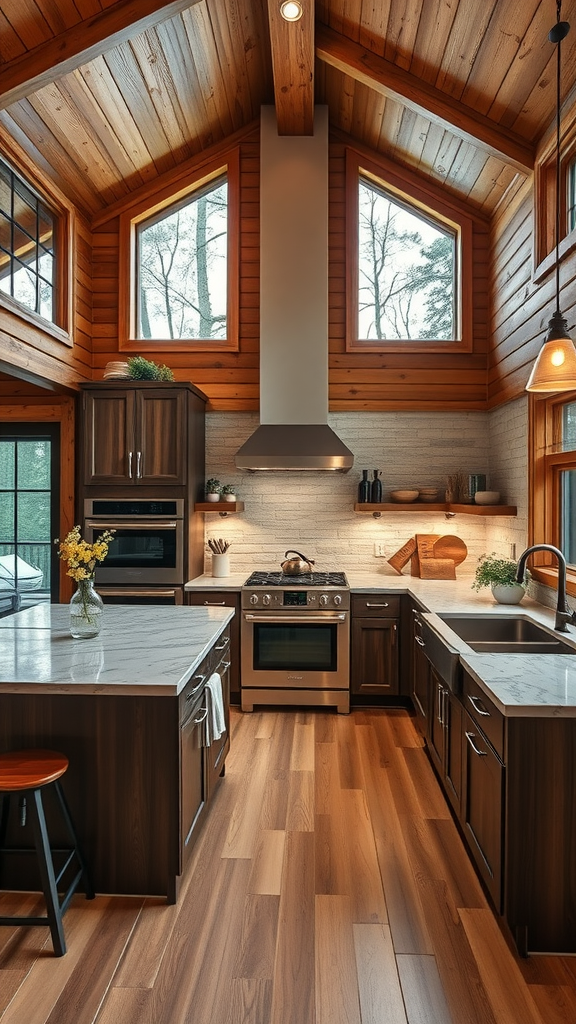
[(555, 366)]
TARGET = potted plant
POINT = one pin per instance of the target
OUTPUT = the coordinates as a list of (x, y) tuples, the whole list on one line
[(213, 489), (228, 492), (500, 575)]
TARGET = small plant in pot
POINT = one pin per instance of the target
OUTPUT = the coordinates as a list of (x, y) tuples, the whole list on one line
[(500, 575), (229, 492), (213, 489)]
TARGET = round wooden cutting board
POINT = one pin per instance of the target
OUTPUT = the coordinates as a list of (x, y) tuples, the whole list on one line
[(450, 547)]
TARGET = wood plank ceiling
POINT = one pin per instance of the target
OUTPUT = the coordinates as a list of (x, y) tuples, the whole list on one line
[(106, 96)]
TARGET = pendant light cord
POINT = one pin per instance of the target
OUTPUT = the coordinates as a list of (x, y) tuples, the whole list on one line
[(557, 229)]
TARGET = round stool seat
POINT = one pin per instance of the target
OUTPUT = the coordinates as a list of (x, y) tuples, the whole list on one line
[(30, 769)]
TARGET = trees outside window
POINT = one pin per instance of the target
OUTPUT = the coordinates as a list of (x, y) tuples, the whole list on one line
[(406, 271), (553, 483), (27, 246), (182, 268)]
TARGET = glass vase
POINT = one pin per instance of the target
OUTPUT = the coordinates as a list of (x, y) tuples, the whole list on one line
[(86, 607)]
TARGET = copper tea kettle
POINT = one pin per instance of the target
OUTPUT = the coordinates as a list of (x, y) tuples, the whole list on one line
[(296, 566)]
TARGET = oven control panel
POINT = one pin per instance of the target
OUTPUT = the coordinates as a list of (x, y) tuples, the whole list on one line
[(276, 600)]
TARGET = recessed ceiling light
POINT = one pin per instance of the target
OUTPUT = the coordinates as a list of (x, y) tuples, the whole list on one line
[(291, 10)]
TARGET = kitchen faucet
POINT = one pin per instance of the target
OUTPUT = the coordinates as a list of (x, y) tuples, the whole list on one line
[(564, 614)]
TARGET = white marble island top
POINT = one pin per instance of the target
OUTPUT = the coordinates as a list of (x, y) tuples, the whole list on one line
[(149, 650)]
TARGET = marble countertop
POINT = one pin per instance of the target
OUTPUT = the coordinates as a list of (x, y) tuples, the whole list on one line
[(139, 650), (529, 685)]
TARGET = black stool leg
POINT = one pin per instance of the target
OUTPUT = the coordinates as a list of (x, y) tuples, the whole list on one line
[(88, 887), (47, 876)]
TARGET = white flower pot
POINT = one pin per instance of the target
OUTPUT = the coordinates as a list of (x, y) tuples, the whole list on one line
[(212, 497), (510, 594), (229, 497)]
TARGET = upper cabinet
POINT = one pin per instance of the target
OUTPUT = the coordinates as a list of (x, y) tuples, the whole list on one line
[(137, 434)]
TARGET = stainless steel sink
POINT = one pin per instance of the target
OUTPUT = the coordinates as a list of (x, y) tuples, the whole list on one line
[(506, 634)]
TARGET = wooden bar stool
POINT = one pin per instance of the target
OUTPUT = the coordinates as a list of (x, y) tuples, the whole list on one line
[(26, 773)]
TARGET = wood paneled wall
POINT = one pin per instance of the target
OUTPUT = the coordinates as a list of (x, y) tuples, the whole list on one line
[(357, 381)]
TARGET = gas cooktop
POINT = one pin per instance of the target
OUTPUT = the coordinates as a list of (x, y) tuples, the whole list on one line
[(305, 579)]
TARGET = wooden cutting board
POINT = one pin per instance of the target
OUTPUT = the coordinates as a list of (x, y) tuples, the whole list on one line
[(437, 569), (399, 559), (450, 547)]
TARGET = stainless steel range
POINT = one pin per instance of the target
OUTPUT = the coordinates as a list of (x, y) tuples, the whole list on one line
[(295, 634)]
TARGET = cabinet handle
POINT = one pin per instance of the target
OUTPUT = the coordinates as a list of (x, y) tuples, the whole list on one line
[(373, 604), (478, 706), (130, 465), (470, 738), (138, 465), (224, 645), (193, 692), (394, 630), (198, 721), (419, 640), (225, 665), (214, 604)]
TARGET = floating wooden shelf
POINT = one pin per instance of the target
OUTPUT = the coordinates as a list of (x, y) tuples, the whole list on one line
[(445, 506), (222, 507)]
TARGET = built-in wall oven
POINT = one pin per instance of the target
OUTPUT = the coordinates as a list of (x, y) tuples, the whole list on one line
[(295, 640), (145, 560)]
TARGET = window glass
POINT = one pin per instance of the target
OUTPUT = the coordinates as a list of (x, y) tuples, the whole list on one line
[(569, 427), (571, 196), (406, 271), (27, 229), (182, 268), (568, 515)]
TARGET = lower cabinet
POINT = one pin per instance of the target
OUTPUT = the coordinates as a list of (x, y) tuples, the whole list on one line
[(374, 646), (420, 673), (224, 599), (445, 738), (482, 807)]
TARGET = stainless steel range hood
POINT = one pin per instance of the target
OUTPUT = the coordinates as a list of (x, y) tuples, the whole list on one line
[(294, 433)]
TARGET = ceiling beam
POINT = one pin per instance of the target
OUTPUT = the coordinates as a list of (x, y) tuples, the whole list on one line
[(82, 43), (389, 80), (292, 45)]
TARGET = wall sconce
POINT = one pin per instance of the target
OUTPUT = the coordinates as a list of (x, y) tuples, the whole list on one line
[(291, 10)]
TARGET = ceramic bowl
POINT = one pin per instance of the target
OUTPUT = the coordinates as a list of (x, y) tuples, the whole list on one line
[(429, 494), (404, 497), (487, 497)]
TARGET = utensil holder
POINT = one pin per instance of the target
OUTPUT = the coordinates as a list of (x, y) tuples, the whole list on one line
[(220, 565)]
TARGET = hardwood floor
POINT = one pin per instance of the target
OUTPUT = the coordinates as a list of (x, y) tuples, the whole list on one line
[(329, 886)]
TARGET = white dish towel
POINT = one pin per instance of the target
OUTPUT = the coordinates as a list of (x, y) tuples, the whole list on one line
[(215, 721)]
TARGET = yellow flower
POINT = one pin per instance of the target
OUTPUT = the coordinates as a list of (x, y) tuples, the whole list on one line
[(82, 556)]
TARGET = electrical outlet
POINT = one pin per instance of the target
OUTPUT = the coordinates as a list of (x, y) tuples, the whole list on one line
[(513, 552), (379, 551)]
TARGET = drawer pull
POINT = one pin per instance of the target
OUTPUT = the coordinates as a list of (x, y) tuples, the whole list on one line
[(194, 691), (470, 738), (223, 646), (419, 640), (373, 604), (226, 665), (198, 721), (478, 706), (215, 604)]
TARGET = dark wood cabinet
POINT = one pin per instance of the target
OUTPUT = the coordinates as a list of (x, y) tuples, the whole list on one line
[(138, 434), (420, 684), (445, 738), (482, 807), (224, 599), (374, 645)]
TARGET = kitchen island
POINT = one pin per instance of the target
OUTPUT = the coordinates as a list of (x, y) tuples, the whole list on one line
[(127, 709)]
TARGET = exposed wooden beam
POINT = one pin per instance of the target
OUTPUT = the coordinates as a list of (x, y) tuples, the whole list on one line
[(82, 43), (386, 78), (292, 46)]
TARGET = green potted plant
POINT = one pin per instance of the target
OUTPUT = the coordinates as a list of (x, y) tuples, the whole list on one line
[(228, 492), (213, 489), (500, 575)]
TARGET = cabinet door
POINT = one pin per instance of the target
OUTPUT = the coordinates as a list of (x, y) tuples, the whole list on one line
[(453, 751), (483, 807), (193, 779), (436, 724), (374, 656), (161, 437), (109, 441), (225, 599), (420, 683), (216, 752)]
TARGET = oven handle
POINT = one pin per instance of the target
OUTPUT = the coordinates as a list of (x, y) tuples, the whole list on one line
[(115, 524), (138, 592), (295, 619)]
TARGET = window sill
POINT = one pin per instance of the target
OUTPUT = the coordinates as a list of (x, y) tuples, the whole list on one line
[(548, 576), (566, 247), (45, 326)]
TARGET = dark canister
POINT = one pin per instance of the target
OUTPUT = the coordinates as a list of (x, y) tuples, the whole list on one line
[(476, 482), (376, 489), (364, 487)]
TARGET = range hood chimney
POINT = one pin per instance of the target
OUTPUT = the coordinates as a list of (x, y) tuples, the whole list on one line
[(294, 432)]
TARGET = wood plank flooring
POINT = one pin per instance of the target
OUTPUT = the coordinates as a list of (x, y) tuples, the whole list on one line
[(329, 886)]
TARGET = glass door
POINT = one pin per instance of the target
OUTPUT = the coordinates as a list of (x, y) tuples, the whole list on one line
[(29, 514)]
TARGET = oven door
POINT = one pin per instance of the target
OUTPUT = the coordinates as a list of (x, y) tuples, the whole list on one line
[(293, 651), (142, 551)]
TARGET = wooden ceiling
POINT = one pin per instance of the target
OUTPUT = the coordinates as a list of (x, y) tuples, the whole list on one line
[(106, 95)]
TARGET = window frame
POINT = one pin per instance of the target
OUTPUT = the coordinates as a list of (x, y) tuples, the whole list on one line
[(128, 275), (544, 254), (417, 199), (64, 226), (545, 465)]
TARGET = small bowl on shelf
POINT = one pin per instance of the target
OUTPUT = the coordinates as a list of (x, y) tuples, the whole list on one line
[(428, 494), (404, 497), (487, 497)]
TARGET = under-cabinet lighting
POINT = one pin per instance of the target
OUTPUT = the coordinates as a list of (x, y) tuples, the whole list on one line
[(291, 10)]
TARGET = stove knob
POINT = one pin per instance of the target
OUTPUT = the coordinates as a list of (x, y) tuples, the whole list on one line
[(324, 599), (253, 598), (337, 599), (266, 599)]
